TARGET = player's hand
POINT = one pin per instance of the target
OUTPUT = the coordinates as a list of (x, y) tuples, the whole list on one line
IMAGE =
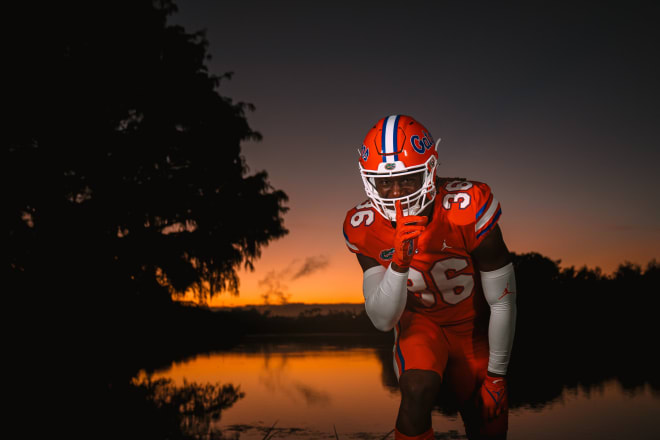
[(494, 397), (408, 228)]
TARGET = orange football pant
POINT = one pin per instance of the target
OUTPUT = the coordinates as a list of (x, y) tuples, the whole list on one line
[(458, 353)]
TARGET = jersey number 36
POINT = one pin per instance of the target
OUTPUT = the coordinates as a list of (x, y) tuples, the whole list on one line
[(453, 287)]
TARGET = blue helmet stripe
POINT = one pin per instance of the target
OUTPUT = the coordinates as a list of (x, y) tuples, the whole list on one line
[(383, 140), (395, 132)]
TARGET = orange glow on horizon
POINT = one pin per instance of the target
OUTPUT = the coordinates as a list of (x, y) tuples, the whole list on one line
[(340, 281)]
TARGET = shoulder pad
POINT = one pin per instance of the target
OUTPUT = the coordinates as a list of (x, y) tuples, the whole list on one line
[(470, 203)]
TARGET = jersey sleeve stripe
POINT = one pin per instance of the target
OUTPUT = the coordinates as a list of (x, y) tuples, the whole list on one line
[(492, 223), (486, 218), (483, 208), (350, 245)]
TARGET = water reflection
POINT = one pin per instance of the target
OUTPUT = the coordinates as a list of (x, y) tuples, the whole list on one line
[(309, 389)]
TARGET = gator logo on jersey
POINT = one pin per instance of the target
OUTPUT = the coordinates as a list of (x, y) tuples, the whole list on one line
[(364, 152), (423, 144), (387, 254)]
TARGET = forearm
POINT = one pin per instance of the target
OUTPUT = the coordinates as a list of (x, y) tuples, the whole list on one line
[(385, 294), (499, 289)]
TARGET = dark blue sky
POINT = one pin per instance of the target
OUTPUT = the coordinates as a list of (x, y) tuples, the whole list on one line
[(554, 104)]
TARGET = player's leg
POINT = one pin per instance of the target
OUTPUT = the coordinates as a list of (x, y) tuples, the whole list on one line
[(419, 389), (420, 356), (466, 370)]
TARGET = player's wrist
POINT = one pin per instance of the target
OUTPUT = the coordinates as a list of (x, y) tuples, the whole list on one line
[(491, 374), (399, 267)]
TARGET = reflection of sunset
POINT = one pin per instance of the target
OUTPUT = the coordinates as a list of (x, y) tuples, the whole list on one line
[(316, 388), (300, 389)]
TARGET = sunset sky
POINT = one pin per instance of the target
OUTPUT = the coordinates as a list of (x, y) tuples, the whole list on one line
[(554, 105)]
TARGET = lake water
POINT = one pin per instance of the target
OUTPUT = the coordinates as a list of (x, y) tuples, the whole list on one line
[(311, 390)]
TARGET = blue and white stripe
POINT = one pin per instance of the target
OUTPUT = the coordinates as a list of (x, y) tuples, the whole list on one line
[(399, 361), (350, 245), (389, 141), (487, 216)]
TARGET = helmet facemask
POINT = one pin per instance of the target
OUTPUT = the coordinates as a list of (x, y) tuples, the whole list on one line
[(412, 204)]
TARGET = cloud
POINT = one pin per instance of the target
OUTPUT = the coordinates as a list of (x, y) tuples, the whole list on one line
[(311, 265), (275, 288), (274, 281)]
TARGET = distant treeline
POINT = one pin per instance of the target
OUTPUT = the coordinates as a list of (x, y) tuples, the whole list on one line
[(573, 324), (580, 313), (580, 327)]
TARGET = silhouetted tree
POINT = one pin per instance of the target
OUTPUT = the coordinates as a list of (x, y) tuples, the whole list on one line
[(127, 183), (125, 161)]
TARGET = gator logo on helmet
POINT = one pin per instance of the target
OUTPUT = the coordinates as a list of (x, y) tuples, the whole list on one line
[(364, 152), (390, 166), (423, 144), (387, 254)]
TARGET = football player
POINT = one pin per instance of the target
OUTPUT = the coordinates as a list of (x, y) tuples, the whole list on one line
[(437, 271)]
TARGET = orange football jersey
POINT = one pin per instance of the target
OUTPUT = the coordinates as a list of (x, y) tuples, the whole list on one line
[(442, 281)]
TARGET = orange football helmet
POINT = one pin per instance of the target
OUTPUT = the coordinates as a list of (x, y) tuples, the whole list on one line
[(398, 145)]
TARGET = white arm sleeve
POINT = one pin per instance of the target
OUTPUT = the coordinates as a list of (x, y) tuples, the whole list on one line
[(500, 292), (385, 293)]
